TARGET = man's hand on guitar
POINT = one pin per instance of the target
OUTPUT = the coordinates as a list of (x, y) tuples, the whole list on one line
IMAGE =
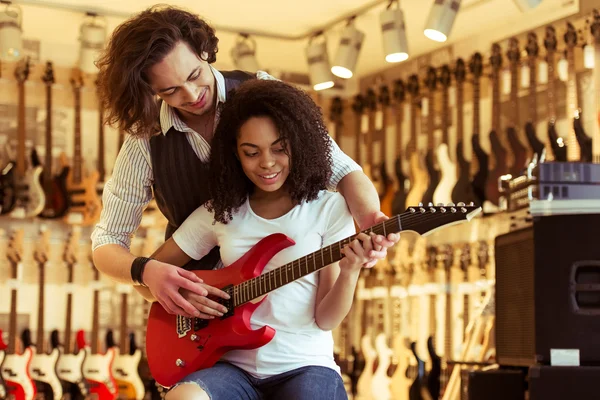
[(207, 308), (356, 253), (165, 282), (380, 242)]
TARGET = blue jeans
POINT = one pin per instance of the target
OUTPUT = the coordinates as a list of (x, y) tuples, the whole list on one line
[(225, 381)]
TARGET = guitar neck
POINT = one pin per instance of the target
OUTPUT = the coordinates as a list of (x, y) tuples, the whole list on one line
[(445, 116), (412, 143), (476, 106), (573, 150), (95, 324), (399, 118), (358, 137), (459, 115), (430, 137), (123, 328), (48, 156), (496, 101), (77, 174), (514, 94), (370, 134), (40, 323), (12, 323), (68, 322), (21, 167), (551, 86), (532, 91)]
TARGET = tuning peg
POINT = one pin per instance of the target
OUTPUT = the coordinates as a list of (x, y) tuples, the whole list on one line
[(443, 209), (460, 204), (420, 204), (430, 204), (423, 210), (453, 209), (412, 210), (451, 204), (432, 209)]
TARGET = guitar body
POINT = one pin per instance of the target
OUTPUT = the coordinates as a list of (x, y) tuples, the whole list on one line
[(97, 371), (57, 200), (7, 188), (30, 198), (3, 393), (492, 192), (418, 389), (463, 190), (165, 345), (125, 371), (380, 383), (519, 152), (357, 370), (419, 181), (363, 386), (584, 141), (399, 201), (84, 200), (443, 191), (400, 384), (15, 371), (43, 370), (534, 143), (70, 371), (434, 177), (559, 147), (435, 373)]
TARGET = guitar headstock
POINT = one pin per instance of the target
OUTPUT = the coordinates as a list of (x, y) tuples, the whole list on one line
[(384, 95), (71, 248), (496, 57), (413, 85), (15, 250), (425, 219), (42, 248), (445, 76), (22, 70), (399, 91), (431, 79), (48, 77), (513, 53), (358, 105), (532, 45), (337, 109), (371, 99), (460, 71), (476, 65), (550, 41), (595, 26), (570, 36), (76, 79)]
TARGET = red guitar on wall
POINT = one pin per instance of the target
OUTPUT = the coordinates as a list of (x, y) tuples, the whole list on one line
[(177, 346)]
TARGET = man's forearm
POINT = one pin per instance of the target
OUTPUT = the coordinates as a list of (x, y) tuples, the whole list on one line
[(361, 197), (114, 261)]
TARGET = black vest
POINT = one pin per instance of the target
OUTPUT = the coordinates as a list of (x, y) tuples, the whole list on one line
[(181, 178)]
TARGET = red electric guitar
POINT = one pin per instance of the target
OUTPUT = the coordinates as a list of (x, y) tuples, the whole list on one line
[(177, 346)]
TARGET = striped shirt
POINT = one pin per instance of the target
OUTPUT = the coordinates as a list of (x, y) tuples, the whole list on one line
[(129, 190)]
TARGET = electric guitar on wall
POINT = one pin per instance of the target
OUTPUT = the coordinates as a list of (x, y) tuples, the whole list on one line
[(178, 346), (419, 179), (478, 183), (358, 106), (336, 112), (43, 365), (55, 187), (431, 161), (400, 191), (387, 193), (556, 147), (30, 198), (535, 144), (84, 204), (443, 191), (15, 368)]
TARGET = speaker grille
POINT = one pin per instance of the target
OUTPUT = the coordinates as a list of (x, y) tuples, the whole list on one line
[(515, 298)]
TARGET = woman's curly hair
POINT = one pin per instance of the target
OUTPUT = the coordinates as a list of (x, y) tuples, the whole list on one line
[(136, 46), (299, 122)]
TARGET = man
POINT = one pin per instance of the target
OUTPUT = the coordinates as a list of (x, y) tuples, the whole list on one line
[(168, 52)]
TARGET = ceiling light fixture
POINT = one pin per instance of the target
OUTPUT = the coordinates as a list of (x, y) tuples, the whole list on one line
[(318, 62), (440, 20), (393, 32), (244, 53), (11, 42), (347, 53), (92, 35)]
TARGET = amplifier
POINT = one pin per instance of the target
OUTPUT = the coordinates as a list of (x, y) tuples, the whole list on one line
[(548, 290), (497, 384), (560, 383)]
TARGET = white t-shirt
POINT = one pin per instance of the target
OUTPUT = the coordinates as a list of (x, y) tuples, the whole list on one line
[(290, 310)]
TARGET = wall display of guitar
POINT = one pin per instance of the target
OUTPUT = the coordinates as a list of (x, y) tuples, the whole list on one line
[(15, 368), (358, 106), (431, 161), (500, 154), (532, 48), (401, 181), (29, 194), (557, 149), (387, 188), (55, 186), (84, 203), (43, 365), (443, 191), (419, 179), (336, 112), (177, 346), (97, 367), (518, 151)]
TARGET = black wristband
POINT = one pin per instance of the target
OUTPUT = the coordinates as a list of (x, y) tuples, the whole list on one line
[(137, 269)]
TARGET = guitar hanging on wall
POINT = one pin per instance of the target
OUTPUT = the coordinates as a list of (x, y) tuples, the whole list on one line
[(535, 144), (556, 144), (480, 177), (431, 161), (400, 191)]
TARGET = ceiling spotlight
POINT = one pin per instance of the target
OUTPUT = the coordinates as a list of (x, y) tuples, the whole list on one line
[(92, 35), (347, 54), (11, 43), (318, 64), (526, 5), (441, 18), (393, 32), (244, 53)]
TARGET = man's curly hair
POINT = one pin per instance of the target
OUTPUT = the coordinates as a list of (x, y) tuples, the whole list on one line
[(299, 122)]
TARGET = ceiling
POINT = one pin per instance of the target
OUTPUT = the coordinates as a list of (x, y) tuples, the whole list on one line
[(478, 20)]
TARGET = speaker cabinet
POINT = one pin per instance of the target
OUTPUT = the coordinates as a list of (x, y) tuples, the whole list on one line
[(548, 290), (497, 384), (560, 383)]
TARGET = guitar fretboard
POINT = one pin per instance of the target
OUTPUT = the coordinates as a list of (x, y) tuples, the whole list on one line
[(77, 142)]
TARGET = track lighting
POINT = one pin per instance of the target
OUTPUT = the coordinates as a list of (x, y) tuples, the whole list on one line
[(441, 18), (318, 63), (393, 32), (244, 53), (347, 54), (92, 35), (11, 42)]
